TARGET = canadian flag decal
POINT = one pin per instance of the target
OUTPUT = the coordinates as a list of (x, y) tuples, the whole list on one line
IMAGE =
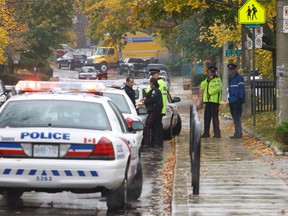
[(89, 140)]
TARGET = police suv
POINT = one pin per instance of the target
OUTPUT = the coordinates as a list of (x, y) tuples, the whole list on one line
[(65, 140)]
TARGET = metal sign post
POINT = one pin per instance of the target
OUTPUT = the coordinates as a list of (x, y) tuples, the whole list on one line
[(252, 13), (253, 83)]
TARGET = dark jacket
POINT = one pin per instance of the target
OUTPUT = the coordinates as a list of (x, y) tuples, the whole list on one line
[(153, 101), (131, 93), (236, 90)]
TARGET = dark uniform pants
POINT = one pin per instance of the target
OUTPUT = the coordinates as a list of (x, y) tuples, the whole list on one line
[(157, 132), (211, 112), (236, 111), (151, 128)]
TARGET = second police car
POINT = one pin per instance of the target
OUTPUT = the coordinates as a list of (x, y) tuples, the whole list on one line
[(172, 123), (63, 140)]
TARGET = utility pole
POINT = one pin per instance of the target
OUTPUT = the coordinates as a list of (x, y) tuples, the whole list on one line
[(282, 61)]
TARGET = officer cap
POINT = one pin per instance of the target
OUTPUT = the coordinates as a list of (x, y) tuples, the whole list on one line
[(212, 68), (231, 66), (154, 71)]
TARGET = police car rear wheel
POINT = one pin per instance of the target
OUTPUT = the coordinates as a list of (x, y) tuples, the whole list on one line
[(116, 199), (135, 187)]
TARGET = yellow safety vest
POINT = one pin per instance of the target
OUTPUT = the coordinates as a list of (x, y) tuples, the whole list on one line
[(213, 88)]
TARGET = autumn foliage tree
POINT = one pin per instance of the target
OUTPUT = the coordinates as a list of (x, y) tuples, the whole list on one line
[(216, 20), (8, 26), (48, 23)]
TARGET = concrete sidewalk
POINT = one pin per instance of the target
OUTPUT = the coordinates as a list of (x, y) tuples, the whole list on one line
[(233, 180)]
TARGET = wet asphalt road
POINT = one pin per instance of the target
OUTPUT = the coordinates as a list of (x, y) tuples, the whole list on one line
[(66, 203)]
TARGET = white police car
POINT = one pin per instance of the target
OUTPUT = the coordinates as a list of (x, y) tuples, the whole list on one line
[(60, 140)]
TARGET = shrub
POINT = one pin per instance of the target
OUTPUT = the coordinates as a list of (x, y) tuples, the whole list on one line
[(197, 79), (282, 131)]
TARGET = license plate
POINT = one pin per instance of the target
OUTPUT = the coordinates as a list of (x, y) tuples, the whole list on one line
[(45, 150)]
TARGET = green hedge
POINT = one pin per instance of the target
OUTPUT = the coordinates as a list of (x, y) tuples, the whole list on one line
[(282, 131)]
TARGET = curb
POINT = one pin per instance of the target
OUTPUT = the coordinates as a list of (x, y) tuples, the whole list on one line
[(276, 150)]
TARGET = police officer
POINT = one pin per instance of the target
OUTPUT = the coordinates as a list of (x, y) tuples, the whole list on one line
[(236, 97), (128, 87), (154, 104), (212, 96), (155, 73)]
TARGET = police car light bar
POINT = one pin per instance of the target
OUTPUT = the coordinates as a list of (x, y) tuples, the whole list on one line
[(73, 86)]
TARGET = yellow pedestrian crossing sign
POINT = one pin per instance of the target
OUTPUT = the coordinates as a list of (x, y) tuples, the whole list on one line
[(251, 13)]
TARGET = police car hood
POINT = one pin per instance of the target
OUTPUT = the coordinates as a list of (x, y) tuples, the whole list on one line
[(54, 135)]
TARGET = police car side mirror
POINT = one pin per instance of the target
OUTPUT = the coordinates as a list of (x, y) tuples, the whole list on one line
[(176, 99), (142, 111), (137, 126)]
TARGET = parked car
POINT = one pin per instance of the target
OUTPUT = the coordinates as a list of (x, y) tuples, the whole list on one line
[(4, 94), (171, 121), (133, 66), (62, 49), (11, 90), (89, 72), (71, 60)]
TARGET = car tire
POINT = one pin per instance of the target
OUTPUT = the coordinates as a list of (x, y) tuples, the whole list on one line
[(177, 129), (12, 194), (120, 71), (70, 66), (168, 134), (115, 200), (12, 198), (134, 189), (103, 67)]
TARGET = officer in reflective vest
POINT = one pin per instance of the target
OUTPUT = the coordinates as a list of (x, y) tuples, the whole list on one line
[(212, 96), (158, 140)]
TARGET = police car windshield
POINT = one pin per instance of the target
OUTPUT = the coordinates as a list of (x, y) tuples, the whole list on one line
[(120, 101), (47, 113)]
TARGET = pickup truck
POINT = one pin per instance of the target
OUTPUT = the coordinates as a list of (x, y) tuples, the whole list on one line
[(133, 66)]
